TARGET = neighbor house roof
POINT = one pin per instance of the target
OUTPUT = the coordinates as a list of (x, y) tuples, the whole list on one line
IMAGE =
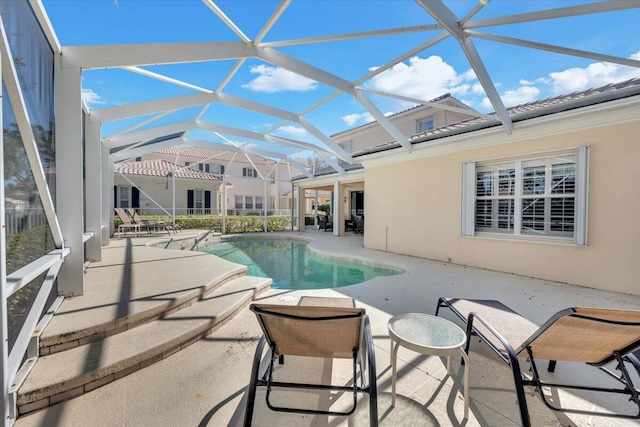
[(161, 168)]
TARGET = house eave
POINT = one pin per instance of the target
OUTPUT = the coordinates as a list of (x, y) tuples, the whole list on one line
[(583, 118)]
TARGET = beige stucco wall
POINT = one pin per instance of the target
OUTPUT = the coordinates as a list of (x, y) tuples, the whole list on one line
[(240, 185), (156, 188), (425, 218)]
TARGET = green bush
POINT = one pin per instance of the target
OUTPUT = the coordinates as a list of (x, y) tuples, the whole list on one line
[(234, 224)]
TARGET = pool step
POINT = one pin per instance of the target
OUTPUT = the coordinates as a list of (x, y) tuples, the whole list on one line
[(67, 374)]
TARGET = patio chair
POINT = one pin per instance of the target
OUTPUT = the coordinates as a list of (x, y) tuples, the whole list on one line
[(358, 226), (595, 336), (149, 225), (325, 222), (312, 330), (126, 223)]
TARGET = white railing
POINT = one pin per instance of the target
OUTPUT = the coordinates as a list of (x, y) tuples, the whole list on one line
[(22, 219)]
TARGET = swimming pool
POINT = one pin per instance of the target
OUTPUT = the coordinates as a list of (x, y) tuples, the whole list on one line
[(292, 265)]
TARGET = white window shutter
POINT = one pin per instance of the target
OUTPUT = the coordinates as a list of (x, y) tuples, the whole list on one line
[(467, 225), (582, 191)]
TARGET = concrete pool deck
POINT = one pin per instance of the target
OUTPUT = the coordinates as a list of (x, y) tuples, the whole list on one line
[(204, 384)]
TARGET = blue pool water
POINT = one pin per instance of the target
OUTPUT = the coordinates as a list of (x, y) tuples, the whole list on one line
[(292, 266)]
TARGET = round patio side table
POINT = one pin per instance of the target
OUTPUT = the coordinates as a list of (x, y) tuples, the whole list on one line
[(430, 335)]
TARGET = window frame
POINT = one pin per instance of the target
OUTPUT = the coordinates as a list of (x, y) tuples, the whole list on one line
[(419, 122), (128, 199), (470, 198)]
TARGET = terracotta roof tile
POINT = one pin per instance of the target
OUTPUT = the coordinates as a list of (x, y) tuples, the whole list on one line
[(160, 168)]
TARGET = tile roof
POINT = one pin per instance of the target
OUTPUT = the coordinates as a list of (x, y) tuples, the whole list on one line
[(522, 112), (206, 153), (160, 168)]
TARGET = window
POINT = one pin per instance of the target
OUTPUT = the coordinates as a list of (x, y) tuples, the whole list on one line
[(258, 202), (346, 146), (216, 169), (124, 197), (186, 164), (248, 202), (532, 197), (239, 204), (198, 202), (250, 172), (425, 125)]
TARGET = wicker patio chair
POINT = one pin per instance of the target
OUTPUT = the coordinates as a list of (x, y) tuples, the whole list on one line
[(312, 330), (595, 336)]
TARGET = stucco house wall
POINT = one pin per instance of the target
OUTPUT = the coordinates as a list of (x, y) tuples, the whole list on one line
[(424, 188), (238, 184), (160, 190)]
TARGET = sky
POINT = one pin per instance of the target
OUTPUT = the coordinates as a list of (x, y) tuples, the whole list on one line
[(520, 74)]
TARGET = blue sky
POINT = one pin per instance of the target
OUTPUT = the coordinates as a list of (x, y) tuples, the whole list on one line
[(520, 74)]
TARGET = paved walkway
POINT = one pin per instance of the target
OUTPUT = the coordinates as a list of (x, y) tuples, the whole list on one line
[(204, 384)]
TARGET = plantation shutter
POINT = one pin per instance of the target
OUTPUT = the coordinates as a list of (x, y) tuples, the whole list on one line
[(135, 197), (190, 201), (582, 190), (468, 202)]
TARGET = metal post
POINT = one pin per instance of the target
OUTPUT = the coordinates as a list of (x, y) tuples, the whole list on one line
[(69, 179), (4, 330), (173, 212), (264, 206), (107, 195), (224, 204), (93, 189)]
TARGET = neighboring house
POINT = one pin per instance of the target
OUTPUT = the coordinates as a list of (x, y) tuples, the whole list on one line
[(415, 120), (251, 183), (556, 199)]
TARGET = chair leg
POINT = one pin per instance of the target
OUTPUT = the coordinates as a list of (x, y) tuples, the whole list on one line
[(253, 384), (522, 399), (373, 385)]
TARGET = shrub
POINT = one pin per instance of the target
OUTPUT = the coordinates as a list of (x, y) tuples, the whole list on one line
[(234, 224)]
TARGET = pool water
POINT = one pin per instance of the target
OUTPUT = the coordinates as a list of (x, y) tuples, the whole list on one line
[(292, 265)]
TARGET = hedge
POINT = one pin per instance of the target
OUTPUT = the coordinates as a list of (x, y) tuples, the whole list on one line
[(234, 224)]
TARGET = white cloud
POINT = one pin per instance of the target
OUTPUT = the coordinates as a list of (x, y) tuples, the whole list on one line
[(274, 79), (294, 130), (594, 75), (352, 119), (424, 78), (91, 97), (522, 95)]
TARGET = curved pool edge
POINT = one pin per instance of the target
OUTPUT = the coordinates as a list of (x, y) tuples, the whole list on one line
[(400, 269)]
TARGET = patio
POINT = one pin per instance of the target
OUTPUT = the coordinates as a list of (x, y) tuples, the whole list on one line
[(204, 384)]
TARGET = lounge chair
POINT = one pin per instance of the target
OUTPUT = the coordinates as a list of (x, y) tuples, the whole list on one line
[(314, 330), (594, 336), (126, 223), (149, 225)]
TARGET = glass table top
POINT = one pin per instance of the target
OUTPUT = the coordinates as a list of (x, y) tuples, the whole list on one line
[(427, 331)]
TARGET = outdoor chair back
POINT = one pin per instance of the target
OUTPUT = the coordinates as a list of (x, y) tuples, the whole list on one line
[(595, 336), (314, 331)]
